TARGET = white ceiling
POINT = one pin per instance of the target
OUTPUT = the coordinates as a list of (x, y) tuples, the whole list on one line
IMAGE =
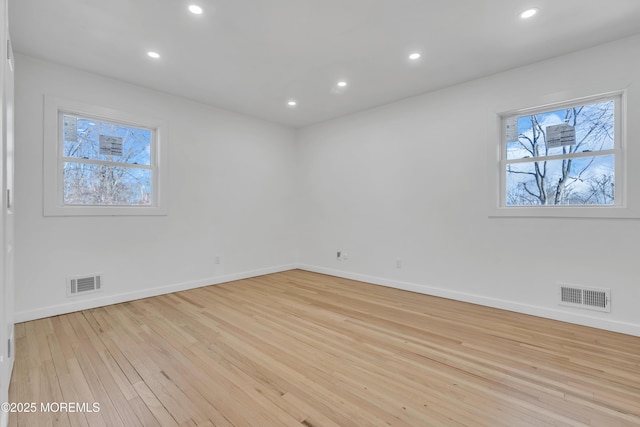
[(252, 56)]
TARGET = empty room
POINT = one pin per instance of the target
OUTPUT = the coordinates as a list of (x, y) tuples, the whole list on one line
[(320, 213)]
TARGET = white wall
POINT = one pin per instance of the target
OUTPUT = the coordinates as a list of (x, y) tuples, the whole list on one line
[(231, 194), (410, 180)]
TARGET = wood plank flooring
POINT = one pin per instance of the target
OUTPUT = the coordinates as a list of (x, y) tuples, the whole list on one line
[(304, 349)]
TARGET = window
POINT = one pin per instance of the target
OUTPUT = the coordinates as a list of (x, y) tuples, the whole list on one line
[(566, 159), (101, 162), (105, 163), (562, 156)]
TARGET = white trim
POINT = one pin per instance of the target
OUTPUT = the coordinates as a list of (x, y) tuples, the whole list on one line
[(548, 313), (562, 156), (106, 163), (630, 205), (53, 106), (4, 419), (554, 314), (54, 310)]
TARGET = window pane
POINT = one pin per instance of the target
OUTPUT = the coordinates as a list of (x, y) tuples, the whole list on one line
[(97, 140), (588, 181), (571, 130), (90, 184)]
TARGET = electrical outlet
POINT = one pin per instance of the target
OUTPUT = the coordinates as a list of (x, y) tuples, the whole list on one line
[(398, 262), (217, 259)]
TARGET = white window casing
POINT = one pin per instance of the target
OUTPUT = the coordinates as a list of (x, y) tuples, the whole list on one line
[(626, 203), (54, 160)]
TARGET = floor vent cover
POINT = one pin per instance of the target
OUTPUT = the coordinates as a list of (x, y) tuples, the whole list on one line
[(589, 298), (83, 285)]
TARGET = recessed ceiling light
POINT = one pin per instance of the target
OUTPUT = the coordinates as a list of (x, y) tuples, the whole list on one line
[(292, 103), (195, 9), (528, 13), (342, 83), (154, 55), (414, 56)]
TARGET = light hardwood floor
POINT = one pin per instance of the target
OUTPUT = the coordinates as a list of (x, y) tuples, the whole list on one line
[(299, 348)]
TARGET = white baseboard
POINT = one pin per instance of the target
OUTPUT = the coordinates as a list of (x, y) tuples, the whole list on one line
[(548, 313), (4, 419), (54, 310)]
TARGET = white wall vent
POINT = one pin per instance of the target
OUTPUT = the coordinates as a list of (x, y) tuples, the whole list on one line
[(589, 298), (80, 285)]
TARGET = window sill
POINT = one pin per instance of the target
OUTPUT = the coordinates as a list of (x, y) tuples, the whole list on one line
[(104, 211), (611, 212)]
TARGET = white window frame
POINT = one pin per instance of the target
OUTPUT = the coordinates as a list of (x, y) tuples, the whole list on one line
[(625, 206), (54, 108)]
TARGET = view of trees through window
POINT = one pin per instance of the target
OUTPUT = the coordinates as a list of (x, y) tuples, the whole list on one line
[(106, 163), (561, 157)]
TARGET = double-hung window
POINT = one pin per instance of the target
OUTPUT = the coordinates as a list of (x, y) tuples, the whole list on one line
[(102, 162), (566, 159)]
